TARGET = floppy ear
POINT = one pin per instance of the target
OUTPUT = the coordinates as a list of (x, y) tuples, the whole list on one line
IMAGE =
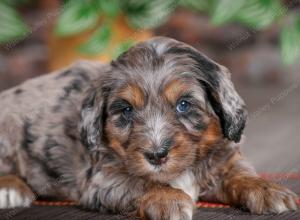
[(225, 101), (93, 118), (227, 104)]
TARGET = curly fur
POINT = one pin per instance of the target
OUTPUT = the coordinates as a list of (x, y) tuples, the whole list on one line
[(67, 136)]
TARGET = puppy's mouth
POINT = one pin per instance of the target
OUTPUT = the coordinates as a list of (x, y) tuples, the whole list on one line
[(157, 165), (158, 168)]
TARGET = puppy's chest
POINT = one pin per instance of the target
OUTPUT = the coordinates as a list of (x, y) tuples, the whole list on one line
[(187, 183)]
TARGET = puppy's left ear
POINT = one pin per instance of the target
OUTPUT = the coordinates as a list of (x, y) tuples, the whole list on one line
[(226, 103), (224, 99)]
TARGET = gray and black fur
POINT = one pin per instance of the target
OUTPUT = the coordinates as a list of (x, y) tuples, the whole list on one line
[(76, 134)]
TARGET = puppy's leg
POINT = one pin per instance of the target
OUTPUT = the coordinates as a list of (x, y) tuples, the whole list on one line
[(242, 187), (124, 194), (166, 203), (14, 192)]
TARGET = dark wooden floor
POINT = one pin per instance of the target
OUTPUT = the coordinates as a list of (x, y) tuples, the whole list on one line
[(75, 213)]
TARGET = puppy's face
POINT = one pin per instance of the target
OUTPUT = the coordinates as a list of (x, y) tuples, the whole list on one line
[(156, 124), (161, 107)]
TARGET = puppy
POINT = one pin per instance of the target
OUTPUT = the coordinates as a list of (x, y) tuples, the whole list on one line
[(150, 133)]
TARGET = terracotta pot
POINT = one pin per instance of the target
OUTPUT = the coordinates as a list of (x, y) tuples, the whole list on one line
[(64, 51)]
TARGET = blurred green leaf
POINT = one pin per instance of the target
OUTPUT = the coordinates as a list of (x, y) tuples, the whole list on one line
[(123, 47), (98, 41), (111, 8), (290, 43), (145, 14), (15, 2), (11, 25), (225, 10), (260, 13), (200, 5), (77, 17)]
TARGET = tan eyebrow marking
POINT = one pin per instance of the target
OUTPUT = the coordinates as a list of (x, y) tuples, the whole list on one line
[(174, 89), (133, 94)]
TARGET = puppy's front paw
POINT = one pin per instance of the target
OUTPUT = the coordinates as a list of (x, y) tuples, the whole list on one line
[(12, 198), (14, 193), (263, 197), (167, 204)]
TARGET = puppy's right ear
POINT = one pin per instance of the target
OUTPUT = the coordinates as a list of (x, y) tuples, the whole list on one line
[(93, 118)]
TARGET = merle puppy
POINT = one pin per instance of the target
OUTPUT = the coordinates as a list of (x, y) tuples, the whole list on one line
[(149, 133)]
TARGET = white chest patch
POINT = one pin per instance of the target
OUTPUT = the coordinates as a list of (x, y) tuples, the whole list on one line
[(187, 183)]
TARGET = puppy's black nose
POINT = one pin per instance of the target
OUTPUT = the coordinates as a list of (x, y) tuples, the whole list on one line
[(157, 157)]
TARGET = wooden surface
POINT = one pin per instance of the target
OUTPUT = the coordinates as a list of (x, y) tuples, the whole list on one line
[(66, 210)]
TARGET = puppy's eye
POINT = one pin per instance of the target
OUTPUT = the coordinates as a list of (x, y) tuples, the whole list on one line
[(127, 111), (183, 106)]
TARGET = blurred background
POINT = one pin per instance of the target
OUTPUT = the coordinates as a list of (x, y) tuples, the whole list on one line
[(258, 40)]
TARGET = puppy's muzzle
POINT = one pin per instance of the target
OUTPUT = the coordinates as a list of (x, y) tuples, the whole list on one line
[(157, 157), (159, 154)]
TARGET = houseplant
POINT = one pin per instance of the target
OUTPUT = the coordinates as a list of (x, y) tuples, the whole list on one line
[(102, 29)]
